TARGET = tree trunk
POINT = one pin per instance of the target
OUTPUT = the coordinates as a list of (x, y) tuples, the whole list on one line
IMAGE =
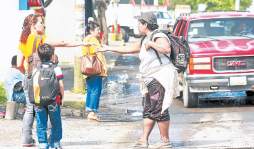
[(102, 6)]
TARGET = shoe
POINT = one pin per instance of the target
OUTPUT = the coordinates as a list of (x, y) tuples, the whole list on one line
[(92, 117), (163, 145), (57, 145), (32, 144), (140, 145)]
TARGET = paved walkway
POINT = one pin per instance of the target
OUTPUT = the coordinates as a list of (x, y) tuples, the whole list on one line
[(113, 132)]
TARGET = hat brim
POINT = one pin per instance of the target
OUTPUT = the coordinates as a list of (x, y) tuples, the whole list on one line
[(143, 19)]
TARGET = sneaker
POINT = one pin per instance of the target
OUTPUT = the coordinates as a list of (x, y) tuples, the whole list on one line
[(29, 144), (140, 145), (163, 145), (57, 145)]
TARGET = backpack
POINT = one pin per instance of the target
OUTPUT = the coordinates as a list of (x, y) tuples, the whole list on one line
[(43, 86), (18, 94), (180, 50)]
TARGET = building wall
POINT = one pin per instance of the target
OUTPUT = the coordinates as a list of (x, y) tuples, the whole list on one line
[(60, 25)]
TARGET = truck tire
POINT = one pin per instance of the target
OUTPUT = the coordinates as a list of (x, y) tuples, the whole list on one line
[(190, 100)]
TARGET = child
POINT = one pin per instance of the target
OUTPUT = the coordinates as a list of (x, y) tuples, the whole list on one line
[(45, 53), (13, 83)]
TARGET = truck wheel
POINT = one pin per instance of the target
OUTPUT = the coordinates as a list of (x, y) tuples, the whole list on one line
[(190, 100)]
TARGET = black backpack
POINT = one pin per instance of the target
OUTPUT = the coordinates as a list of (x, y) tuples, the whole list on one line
[(180, 50), (43, 86)]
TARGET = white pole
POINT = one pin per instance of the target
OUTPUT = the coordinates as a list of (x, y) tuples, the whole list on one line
[(237, 5), (156, 2)]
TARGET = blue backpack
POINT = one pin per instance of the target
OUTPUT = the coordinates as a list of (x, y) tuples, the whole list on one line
[(18, 94)]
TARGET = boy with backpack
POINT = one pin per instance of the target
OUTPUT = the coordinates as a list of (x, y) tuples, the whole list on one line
[(45, 88)]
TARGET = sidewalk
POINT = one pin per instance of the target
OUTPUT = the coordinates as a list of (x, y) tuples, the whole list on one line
[(112, 133)]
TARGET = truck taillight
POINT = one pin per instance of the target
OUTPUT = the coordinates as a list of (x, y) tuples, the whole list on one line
[(203, 63)]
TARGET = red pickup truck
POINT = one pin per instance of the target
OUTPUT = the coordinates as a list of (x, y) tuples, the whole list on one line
[(221, 53)]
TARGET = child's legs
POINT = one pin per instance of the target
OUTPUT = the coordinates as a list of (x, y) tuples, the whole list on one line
[(56, 123), (95, 86), (41, 119)]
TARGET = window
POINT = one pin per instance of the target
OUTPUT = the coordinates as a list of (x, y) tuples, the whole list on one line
[(223, 27)]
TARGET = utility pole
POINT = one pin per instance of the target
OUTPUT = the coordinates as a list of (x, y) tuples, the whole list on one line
[(237, 5), (78, 78), (88, 10)]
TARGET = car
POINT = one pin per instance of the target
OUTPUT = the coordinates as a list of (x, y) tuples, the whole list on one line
[(164, 20), (221, 53)]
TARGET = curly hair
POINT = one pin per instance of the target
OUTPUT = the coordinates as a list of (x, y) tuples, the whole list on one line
[(26, 29)]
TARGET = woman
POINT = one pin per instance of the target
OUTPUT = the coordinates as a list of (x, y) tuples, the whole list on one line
[(159, 79), (33, 35), (94, 83)]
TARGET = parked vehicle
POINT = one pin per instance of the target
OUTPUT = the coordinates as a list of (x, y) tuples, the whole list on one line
[(164, 20), (221, 53), (125, 16)]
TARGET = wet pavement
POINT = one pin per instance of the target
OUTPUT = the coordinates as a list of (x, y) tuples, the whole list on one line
[(217, 124)]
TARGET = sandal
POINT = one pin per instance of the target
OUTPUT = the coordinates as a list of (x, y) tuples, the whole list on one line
[(140, 145), (92, 117), (163, 145), (29, 144)]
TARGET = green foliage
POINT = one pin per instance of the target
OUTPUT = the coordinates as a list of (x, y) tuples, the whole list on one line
[(161, 2), (213, 5), (2, 94)]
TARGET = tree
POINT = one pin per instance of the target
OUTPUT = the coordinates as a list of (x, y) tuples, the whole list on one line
[(212, 5), (102, 7)]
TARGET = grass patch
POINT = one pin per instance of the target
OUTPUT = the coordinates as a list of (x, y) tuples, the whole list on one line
[(3, 98), (73, 104)]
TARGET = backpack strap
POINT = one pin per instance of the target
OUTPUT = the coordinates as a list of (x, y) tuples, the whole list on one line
[(156, 52), (151, 38), (34, 44), (30, 58), (142, 39)]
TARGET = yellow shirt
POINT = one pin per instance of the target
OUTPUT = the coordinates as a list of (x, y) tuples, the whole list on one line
[(91, 51), (27, 48)]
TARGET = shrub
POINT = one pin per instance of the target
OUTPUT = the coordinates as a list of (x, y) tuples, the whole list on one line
[(3, 98)]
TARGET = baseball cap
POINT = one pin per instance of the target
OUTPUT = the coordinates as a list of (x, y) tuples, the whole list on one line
[(148, 17)]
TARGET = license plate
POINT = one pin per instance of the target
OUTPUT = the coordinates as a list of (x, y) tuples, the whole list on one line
[(235, 81)]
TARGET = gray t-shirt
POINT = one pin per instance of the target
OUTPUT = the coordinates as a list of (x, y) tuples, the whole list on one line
[(148, 58)]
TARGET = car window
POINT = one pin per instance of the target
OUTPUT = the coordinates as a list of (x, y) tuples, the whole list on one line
[(163, 15), (223, 27)]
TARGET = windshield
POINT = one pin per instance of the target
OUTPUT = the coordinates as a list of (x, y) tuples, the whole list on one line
[(213, 29), (162, 15)]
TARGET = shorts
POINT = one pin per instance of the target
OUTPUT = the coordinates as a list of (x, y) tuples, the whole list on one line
[(153, 102)]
